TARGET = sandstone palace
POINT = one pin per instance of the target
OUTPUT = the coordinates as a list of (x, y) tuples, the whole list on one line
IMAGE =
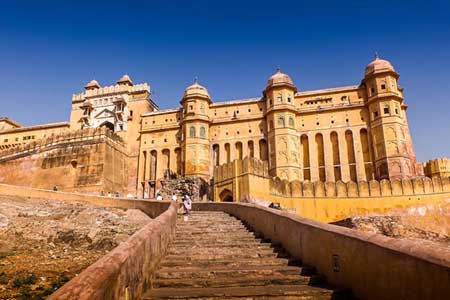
[(118, 140)]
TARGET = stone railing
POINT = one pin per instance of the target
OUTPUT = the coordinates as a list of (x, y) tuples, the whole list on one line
[(373, 266), (54, 141)]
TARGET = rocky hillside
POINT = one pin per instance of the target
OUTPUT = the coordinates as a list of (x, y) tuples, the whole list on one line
[(423, 224), (45, 243)]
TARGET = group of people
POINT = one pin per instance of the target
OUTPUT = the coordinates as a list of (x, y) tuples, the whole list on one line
[(186, 201)]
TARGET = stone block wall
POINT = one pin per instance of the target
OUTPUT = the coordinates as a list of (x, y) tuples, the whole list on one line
[(90, 160), (247, 180)]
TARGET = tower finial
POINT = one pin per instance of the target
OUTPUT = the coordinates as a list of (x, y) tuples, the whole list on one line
[(278, 69), (376, 55), (195, 79)]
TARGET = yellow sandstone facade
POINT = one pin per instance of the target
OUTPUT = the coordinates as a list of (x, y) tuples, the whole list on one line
[(352, 133)]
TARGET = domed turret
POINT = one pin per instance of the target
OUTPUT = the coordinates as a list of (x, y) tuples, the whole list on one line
[(379, 65), (125, 80), (196, 90), (279, 79), (92, 85)]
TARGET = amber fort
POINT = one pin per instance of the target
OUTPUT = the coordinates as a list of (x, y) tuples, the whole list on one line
[(118, 140), (269, 173)]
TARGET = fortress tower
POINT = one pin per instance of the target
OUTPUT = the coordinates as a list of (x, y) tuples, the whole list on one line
[(393, 151), (282, 135), (195, 130)]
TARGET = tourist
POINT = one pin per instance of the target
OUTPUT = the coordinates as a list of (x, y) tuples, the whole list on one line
[(159, 197), (174, 197), (187, 204)]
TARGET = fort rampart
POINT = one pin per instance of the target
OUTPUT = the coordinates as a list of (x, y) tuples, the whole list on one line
[(247, 180), (89, 160)]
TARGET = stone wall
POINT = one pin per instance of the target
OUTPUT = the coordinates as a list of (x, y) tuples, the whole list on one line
[(373, 266), (90, 160), (373, 188), (127, 271), (247, 180)]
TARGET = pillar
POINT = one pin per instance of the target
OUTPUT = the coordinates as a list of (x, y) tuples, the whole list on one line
[(328, 151), (359, 159), (343, 156), (313, 161)]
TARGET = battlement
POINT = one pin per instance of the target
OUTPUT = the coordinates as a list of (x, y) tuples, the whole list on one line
[(111, 90), (240, 167), (296, 188), (351, 189), (72, 137)]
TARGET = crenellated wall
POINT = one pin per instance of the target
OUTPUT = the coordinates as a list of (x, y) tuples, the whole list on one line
[(247, 180), (89, 160)]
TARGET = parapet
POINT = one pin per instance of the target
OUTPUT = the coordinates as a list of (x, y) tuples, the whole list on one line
[(373, 188), (110, 90), (240, 167), (339, 189), (67, 138)]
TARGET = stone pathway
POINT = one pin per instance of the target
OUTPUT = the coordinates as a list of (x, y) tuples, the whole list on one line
[(214, 256)]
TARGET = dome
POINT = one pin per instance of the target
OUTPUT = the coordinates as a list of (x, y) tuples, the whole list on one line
[(279, 78), (196, 90), (93, 84), (379, 65), (125, 79)]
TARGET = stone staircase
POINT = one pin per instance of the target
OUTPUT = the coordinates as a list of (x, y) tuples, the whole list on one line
[(214, 256)]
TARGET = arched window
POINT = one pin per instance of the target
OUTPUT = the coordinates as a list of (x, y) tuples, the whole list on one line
[(281, 121), (291, 122), (202, 108), (202, 132), (192, 132)]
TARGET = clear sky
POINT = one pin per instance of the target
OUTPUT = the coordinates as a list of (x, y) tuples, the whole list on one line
[(51, 49)]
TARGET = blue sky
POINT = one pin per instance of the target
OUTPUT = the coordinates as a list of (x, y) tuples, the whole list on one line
[(51, 49)]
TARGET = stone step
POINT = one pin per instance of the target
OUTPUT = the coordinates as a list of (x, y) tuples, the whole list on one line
[(223, 241), (228, 263), (213, 235), (248, 292), (255, 280), (217, 272), (247, 245), (223, 250), (222, 256), (211, 229)]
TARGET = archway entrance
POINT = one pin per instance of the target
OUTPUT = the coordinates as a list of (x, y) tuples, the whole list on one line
[(226, 196), (108, 125)]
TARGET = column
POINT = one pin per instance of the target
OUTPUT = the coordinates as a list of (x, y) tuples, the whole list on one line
[(222, 154), (301, 176), (172, 160), (141, 165), (256, 149), (343, 156), (359, 159), (159, 169), (313, 161), (328, 154), (232, 151), (245, 152)]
